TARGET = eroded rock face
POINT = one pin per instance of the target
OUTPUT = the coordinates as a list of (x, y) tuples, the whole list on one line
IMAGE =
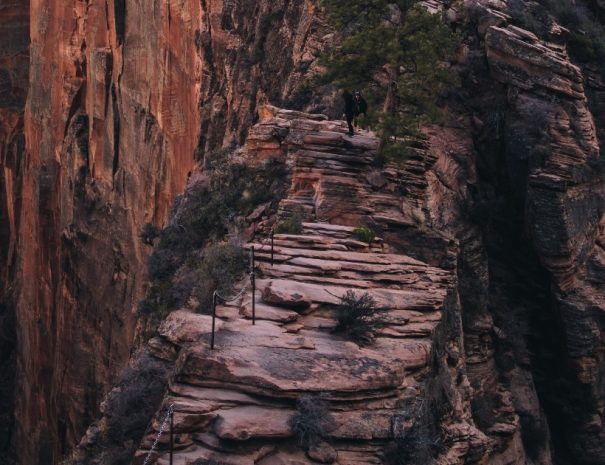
[(123, 98), (559, 166), (496, 220), (14, 68)]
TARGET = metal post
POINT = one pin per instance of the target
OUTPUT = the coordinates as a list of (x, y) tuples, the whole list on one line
[(171, 435), (253, 282), (272, 236), (213, 320)]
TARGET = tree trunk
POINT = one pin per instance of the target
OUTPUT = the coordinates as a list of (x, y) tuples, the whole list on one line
[(390, 100)]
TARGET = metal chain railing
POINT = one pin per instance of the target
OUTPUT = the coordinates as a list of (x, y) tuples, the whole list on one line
[(162, 427), (228, 300), (216, 297)]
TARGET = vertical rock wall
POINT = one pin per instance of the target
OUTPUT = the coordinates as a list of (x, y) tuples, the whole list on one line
[(14, 66), (110, 132), (123, 98)]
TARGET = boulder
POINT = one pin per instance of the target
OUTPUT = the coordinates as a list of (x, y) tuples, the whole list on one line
[(183, 326), (322, 452), (243, 423), (285, 294)]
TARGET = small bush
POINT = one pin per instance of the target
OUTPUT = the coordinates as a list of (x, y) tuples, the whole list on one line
[(420, 444), (313, 420), (205, 213), (482, 407), (130, 407), (221, 267), (149, 233), (358, 317), (291, 225), (365, 234)]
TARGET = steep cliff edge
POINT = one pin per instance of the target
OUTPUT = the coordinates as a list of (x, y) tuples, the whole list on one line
[(505, 199), (542, 182), (14, 68), (122, 98)]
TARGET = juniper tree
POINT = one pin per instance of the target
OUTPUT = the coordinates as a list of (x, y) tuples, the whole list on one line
[(398, 52)]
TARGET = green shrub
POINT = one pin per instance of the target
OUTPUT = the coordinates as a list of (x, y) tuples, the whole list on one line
[(149, 233), (291, 225), (365, 234), (421, 443), (130, 408), (483, 407), (206, 212), (222, 265), (358, 317), (401, 63), (313, 421)]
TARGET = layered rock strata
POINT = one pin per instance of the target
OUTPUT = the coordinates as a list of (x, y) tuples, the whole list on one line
[(235, 404), (556, 164)]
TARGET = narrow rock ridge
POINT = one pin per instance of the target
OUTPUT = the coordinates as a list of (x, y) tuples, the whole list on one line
[(233, 405)]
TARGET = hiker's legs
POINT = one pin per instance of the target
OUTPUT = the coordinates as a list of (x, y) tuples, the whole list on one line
[(350, 124)]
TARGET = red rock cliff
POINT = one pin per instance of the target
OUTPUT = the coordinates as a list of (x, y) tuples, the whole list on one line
[(122, 97), (14, 60)]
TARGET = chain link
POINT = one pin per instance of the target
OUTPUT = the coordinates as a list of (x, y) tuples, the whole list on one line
[(157, 439), (232, 299)]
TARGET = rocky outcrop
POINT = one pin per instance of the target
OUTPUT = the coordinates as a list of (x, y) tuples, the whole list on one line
[(123, 100), (236, 403), (558, 163)]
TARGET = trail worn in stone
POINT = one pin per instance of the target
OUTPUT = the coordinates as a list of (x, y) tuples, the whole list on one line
[(261, 370)]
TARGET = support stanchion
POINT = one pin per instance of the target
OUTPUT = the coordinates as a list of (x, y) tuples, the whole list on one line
[(253, 282), (213, 320), (171, 436), (272, 238)]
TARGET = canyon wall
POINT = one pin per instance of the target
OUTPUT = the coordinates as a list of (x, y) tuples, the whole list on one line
[(123, 99), (14, 67), (110, 133)]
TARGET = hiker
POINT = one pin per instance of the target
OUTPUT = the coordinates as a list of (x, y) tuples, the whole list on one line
[(349, 110), (361, 107)]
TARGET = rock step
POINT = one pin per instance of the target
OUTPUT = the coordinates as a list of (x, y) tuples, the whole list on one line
[(346, 159), (329, 294), (350, 279), (410, 274), (314, 241), (350, 257)]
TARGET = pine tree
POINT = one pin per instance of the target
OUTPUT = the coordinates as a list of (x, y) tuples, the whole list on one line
[(398, 53)]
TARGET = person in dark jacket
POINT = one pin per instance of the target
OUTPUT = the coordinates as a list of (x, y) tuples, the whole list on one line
[(361, 107), (349, 109)]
